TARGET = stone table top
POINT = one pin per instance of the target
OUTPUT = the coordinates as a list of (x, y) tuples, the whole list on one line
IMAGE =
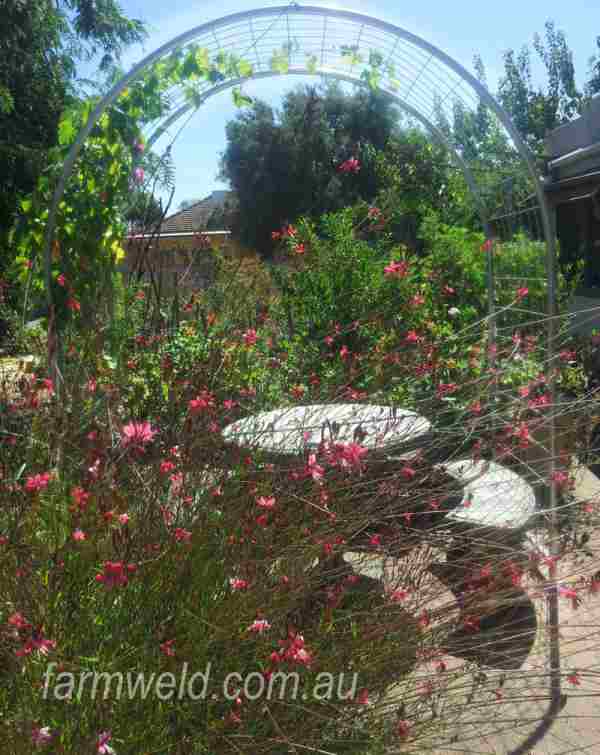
[(498, 496), (293, 430)]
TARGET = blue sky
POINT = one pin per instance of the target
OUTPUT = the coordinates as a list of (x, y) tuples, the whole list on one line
[(461, 28)]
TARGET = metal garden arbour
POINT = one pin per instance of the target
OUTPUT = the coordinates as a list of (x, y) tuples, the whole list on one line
[(421, 79)]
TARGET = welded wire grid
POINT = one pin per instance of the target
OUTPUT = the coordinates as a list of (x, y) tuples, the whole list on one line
[(430, 89), (328, 40)]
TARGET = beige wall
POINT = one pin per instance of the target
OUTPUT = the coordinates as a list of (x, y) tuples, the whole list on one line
[(181, 261)]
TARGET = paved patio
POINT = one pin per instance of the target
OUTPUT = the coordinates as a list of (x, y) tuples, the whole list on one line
[(514, 716)]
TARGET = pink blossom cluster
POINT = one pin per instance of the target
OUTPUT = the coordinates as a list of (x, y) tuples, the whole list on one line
[(115, 574), (352, 165)]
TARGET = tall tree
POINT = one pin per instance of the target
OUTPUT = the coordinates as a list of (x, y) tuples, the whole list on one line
[(592, 85), (537, 110), (286, 164), (40, 44)]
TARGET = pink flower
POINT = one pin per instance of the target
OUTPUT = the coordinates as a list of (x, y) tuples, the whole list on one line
[(266, 503), (412, 337), (262, 520), (313, 469), (115, 574), (18, 621), (523, 435), (138, 147), (137, 434), (237, 584), (487, 245), (570, 593), (61, 280), (79, 535), (417, 300), (299, 248), (397, 596), (41, 736), (259, 626), (167, 647), (80, 497), (36, 642), (396, 269), (567, 355), (403, 729), (204, 401), (138, 175), (295, 651), (73, 305), (166, 467), (181, 535), (352, 165), (297, 391), (560, 478), (102, 747), (444, 389), (346, 455), (522, 293), (250, 337), (574, 679), (123, 518), (37, 482)]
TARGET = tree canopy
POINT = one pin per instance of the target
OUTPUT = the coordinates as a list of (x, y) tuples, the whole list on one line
[(40, 44), (285, 164)]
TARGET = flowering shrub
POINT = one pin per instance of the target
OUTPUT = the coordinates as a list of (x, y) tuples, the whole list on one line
[(135, 538)]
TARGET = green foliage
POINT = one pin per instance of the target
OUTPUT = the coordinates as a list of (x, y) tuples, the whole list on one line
[(341, 282), (283, 165), (40, 43), (33, 88), (414, 176), (592, 86), (537, 110)]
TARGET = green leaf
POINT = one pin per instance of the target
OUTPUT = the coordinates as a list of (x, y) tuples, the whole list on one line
[(394, 85), (110, 362), (193, 96), (240, 99), (372, 77), (66, 131), (350, 55), (26, 205), (311, 64), (203, 60), (375, 59), (280, 62), (244, 68)]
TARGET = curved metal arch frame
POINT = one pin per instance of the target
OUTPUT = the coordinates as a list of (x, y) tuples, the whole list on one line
[(400, 33), (484, 97), (434, 131)]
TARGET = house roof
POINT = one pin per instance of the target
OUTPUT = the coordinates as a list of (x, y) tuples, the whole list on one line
[(195, 217)]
